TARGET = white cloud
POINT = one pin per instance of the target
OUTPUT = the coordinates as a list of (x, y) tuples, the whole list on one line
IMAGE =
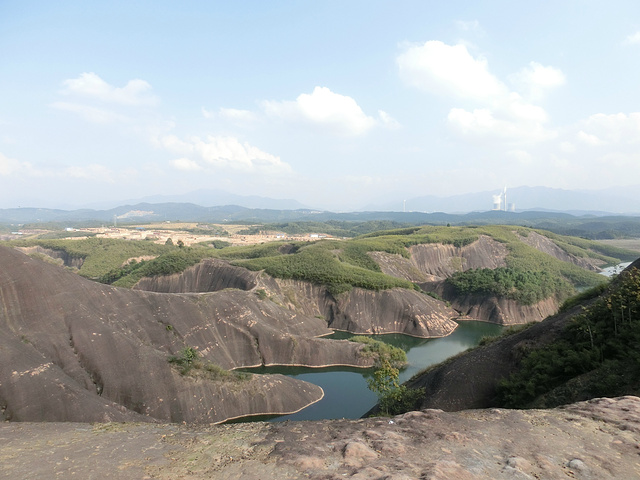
[(521, 156), (222, 153), (493, 112), (135, 93), (482, 124), (234, 115), (469, 26), (90, 172), (589, 139), (440, 68), (207, 113), (9, 166), (96, 172), (618, 128), (91, 114), (186, 164), (324, 108), (567, 147), (388, 121), (536, 79), (237, 115), (633, 39)]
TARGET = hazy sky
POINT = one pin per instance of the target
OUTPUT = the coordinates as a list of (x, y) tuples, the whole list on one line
[(334, 103)]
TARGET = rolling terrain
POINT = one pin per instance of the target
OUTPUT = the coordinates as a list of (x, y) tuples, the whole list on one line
[(74, 349)]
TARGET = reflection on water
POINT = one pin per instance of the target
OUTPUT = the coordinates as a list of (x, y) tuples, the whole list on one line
[(345, 389), (614, 270)]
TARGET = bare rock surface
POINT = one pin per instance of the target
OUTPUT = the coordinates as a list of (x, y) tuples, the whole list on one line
[(598, 439), (391, 311), (210, 275), (60, 255), (76, 350), (358, 311), (548, 246), (489, 308), (441, 261)]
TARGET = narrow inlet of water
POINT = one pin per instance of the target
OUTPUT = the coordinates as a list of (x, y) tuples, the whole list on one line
[(346, 394)]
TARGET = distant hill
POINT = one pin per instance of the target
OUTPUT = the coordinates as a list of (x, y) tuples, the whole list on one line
[(589, 226), (598, 202), (210, 198)]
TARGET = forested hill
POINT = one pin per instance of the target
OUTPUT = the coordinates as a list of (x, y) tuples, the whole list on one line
[(348, 224)]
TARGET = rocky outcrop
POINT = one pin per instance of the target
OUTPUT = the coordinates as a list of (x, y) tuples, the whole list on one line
[(363, 311), (548, 246), (441, 261), (67, 260), (597, 439), (210, 275), (75, 350), (391, 311), (500, 310), (399, 267), (358, 311)]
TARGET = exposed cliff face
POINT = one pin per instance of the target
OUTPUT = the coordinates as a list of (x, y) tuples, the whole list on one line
[(441, 261), (358, 311), (391, 311), (210, 275), (75, 350), (400, 267), (363, 311), (67, 260), (503, 311), (546, 245)]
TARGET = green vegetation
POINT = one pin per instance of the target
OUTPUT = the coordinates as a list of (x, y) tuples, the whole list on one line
[(340, 265), (335, 228), (381, 352), (101, 255), (393, 398), (596, 354), (318, 264), (189, 363), (526, 287), (174, 261)]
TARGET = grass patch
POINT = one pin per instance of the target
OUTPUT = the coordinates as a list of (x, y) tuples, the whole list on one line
[(189, 363), (381, 352)]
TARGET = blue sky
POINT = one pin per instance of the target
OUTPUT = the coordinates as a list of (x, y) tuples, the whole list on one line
[(337, 104)]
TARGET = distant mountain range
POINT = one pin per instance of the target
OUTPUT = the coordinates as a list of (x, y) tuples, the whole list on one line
[(585, 213), (597, 202), (209, 198)]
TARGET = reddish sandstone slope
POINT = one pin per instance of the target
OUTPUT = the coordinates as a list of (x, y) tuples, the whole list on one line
[(358, 311), (75, 350)]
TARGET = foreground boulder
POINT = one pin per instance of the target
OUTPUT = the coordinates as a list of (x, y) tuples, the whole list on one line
[(590, 440)]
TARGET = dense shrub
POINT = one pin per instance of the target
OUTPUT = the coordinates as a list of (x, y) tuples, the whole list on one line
[(526, 287), (596, 355)]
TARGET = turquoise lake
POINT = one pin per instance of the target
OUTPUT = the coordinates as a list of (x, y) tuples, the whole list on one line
[(345, 389)]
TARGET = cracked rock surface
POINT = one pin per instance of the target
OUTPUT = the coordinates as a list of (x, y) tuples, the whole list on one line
[(598, 439)]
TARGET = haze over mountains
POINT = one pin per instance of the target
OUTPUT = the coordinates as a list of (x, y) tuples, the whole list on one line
[(619, 200)]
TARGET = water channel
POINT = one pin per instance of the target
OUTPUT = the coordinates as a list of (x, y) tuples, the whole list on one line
[(345, 389)]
